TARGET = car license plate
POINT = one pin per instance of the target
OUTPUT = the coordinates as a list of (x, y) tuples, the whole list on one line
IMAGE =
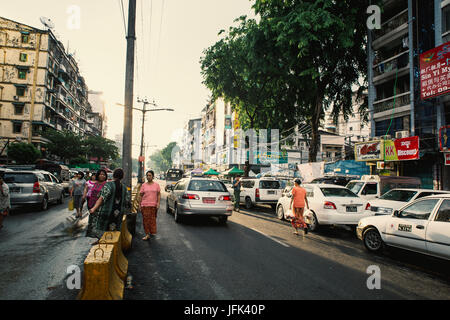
[(209, 200), (15, 190), (352, 209), (271, 192)]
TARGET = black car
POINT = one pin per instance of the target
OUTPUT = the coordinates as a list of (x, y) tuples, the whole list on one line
[(338, 180)]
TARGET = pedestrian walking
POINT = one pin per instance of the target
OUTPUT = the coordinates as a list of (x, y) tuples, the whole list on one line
[(237, 184), (5, 204), (76, 191), (150, 200), (299, 200), (94, 194), (112, 202), (87, 189)]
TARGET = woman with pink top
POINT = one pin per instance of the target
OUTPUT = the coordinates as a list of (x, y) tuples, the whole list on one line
[(150, 199)]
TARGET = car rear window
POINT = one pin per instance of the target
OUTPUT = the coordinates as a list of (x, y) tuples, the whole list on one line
[(338, 192), (20, 178), (207, 185), (399, 195), (264, 184)]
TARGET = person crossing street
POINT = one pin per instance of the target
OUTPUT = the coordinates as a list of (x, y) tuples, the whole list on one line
[(237, 184)]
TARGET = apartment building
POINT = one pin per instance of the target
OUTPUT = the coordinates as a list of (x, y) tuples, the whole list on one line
[(40, 87), (409, 28)]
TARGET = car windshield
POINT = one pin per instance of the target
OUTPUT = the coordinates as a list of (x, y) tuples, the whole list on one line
[(399, 195), (207, 185), (20, 178), (174, 175), (338, 192), (355, 187), (265, 184)]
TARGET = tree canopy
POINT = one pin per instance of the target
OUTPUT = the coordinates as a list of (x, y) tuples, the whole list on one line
[(303, 57)]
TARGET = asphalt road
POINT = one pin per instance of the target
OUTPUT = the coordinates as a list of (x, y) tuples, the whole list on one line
[(257, 257), (253, 257)]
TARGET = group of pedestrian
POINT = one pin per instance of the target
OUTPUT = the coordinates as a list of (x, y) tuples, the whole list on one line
[(106, 201), (297, 205)]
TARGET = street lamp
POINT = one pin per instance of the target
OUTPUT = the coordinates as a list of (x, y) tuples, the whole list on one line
[(144, 111)]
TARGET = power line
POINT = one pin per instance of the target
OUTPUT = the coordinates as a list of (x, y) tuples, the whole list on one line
[(123, 16), (159, 37)]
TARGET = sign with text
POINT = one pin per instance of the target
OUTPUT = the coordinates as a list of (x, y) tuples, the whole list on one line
[(447, 159), (402, 149), (369, 151), (435, 72)]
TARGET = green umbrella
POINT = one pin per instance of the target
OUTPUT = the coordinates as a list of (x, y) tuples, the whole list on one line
[(211, 172), (234, 171)]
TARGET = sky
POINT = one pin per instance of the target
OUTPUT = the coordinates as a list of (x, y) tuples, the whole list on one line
[(171, 37)]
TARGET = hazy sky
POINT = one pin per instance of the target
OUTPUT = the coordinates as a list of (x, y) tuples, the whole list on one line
[(171, 36)]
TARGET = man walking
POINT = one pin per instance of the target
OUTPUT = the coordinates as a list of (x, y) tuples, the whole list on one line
[(237, 192)]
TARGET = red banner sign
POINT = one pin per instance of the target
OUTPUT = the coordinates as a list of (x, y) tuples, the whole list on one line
[(435, 71), (407, 148)]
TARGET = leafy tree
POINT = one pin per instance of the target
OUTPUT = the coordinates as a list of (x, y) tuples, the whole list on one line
[(99, 147), (162, 160), (65, 145), (23, 153)]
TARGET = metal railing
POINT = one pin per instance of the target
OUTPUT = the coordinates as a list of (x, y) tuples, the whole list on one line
[(392, 24), (402, 99), (398, 61)]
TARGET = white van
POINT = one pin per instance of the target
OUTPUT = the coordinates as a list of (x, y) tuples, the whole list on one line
[(263, 190), (371, 186)]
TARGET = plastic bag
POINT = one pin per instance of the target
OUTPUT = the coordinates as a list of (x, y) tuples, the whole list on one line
[(70, 205)]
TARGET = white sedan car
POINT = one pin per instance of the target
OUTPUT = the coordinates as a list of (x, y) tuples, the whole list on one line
[(396, 198), (329, 205), (422, 226)]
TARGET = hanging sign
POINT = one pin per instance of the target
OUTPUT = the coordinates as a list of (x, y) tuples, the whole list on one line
[(435, 71), (369, 151), (402, 149), (447, 159)]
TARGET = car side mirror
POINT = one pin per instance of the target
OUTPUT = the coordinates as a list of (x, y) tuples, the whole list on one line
[(170, 188), (396, 212)]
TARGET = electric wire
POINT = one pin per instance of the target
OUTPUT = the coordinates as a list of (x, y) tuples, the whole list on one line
[(123, 17)]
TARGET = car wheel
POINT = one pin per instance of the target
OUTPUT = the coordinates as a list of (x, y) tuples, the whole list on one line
[(176, 215), (61, 198), (248, 203), (44, 204), (280, 212), (167, 206), (372, 240), (223, 219), (313, 222)]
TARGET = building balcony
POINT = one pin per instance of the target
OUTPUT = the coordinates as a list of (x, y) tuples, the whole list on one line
[(384, 106), (392, 29), (387, 69)]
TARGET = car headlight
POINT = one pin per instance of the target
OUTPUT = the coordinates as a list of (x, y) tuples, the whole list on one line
[(384, 210)]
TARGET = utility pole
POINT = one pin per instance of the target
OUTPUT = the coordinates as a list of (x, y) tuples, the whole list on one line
[(142, 153), (129, 87)]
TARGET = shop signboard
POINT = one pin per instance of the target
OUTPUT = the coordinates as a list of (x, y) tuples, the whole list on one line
[(402, 149), (435, 72), (369, 151)]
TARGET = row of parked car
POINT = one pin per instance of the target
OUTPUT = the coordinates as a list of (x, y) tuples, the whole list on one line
[(381, 210), (33, 187)]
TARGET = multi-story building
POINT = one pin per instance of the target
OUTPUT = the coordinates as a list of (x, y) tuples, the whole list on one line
[(40, 86), (409, 28), (190, 149)]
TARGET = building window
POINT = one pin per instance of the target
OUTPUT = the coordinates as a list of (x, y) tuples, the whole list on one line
[(446, 19), (22, 74), (18, 110), (23, 57), (25, 38), (20, 91), (17, 127)]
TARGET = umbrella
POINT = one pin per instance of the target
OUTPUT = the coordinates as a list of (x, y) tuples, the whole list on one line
[(211, 172), (234, 171)]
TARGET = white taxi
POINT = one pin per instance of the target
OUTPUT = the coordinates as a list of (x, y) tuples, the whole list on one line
[(422, 226)]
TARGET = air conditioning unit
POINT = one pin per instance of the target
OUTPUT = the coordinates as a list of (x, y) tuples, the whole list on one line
[(401, 134)]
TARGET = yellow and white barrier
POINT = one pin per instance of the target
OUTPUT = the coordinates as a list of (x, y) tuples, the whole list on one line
[(119, 261)]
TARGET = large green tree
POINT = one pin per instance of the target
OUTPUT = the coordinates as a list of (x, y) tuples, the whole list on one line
[(65, 144), (301, 58), (162, 159), (23, 153), (99, 147)]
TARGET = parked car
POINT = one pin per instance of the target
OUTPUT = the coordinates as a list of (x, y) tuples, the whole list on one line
[(172, 177), (199, 196), (397, 198), (338, 180), (370, 186), (34, 187), (422, 226), (260, 190), (60, 171), (328, 205)]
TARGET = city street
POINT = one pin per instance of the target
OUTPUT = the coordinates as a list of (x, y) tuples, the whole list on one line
[(253, 257)]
